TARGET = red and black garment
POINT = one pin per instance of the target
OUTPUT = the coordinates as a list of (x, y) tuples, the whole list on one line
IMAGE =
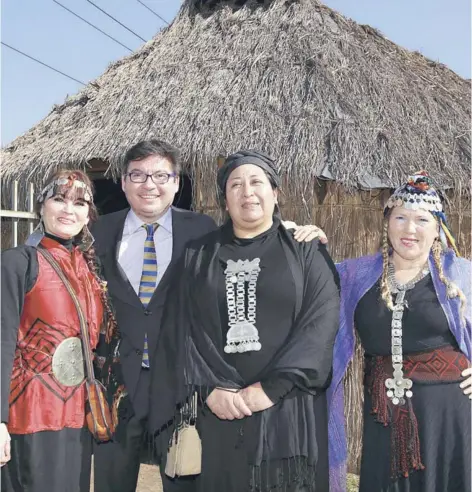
[(47, 316), (440, 365)]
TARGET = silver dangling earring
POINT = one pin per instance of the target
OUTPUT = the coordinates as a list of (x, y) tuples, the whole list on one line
[(37, 235), (87, 239)]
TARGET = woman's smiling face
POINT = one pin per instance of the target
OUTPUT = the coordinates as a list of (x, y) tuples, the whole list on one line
[(65, 216), (412, 232)]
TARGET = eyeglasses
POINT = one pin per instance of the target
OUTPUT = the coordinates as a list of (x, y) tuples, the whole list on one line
[(159, 177)]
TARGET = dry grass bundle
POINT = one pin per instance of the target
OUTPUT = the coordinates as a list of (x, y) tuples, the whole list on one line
[(326, 96)]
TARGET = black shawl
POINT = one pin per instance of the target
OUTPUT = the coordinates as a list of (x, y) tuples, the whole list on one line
[(189, 352)]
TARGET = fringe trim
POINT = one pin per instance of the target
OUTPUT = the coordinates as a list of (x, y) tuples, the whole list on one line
[(282, 475), (405, 442), (270, 476)]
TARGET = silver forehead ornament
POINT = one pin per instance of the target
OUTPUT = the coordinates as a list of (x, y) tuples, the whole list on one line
[(414, 201), (48, 190)]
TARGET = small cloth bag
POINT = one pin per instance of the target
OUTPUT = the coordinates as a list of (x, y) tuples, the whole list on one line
[(185, 453)]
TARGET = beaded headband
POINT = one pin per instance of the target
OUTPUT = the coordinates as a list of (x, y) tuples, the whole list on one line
[(418, 193), (66, 184), (415, 194)]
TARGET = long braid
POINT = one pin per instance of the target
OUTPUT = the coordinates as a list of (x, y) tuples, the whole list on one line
[(384, 287), (111, 328), (451, 288)]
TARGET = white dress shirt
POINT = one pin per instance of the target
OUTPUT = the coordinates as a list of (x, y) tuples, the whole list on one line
[(131, 251)]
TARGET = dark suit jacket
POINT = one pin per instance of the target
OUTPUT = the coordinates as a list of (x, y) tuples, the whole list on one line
[(133, 319)]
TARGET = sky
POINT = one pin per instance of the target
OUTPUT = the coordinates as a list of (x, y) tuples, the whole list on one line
[(47, 32)]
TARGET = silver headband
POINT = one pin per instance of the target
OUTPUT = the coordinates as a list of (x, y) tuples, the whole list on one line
[(48, 190), (415, 194)]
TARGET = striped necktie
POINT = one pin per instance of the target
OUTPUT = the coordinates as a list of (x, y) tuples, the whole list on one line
[(147, 285)]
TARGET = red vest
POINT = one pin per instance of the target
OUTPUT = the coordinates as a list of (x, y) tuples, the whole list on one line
[(38, 401)]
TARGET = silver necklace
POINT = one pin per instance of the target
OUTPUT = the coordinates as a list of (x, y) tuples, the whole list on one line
[(399, 387), (242, 335)]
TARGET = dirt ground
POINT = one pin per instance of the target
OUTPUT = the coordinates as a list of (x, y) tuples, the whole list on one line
[(149, 480)]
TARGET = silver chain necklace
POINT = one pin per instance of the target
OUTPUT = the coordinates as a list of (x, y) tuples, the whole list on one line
[(242, 335), (399, 387)]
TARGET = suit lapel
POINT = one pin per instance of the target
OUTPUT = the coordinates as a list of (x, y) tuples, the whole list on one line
[(118, 282), (179, 239)]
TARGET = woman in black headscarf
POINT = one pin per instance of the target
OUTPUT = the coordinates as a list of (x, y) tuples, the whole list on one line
[(251, 328)]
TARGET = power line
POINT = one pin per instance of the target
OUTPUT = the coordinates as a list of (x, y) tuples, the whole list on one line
[(42, 63), (116, 20), (92, 25), (155, 13)]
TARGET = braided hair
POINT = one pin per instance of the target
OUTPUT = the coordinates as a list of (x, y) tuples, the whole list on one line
[(384, 286), (451, 288)]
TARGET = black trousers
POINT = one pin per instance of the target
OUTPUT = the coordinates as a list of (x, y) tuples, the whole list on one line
[(49, 461), (116, 465)]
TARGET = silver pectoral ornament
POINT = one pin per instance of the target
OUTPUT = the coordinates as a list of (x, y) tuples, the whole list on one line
[(242, 335), (68, 362), (399, 387)]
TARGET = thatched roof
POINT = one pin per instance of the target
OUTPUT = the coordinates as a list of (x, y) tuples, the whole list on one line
[(326, 96)]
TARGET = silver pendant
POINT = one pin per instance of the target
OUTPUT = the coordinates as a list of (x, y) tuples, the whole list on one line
[(399, 387), (242, 334), (242, 337), (68, 362)]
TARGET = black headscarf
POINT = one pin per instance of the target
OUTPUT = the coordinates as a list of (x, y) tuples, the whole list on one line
[(265, 162)]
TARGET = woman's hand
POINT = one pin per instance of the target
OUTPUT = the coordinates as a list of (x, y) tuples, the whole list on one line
[(306, 232), (227, 404), (467, 384), (5, 439), (255, 398)]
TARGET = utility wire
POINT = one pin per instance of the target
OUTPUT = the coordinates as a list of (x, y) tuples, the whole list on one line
[(41, 63), (155, 13), (116, 20), (90, 24)]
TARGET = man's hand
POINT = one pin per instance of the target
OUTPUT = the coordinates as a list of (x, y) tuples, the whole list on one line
[(227, 404), (255, 398), (5, 449), (306, 233)]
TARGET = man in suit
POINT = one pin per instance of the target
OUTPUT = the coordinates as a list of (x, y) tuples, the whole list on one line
[(138, 248)]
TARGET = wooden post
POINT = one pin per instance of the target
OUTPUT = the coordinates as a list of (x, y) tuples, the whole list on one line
[(14, 197), (31, 207)]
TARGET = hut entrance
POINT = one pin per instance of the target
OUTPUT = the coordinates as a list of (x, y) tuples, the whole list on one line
[(109, 196)]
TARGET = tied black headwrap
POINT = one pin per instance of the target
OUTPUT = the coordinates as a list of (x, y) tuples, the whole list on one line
[(246, 157)]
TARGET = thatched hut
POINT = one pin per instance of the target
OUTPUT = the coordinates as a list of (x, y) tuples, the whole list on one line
[(347, 113)]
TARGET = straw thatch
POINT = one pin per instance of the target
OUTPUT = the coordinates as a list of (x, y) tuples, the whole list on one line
[(347, 113), (327, 96)]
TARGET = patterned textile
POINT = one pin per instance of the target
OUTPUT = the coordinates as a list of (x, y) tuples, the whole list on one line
[(148, 282), (38, 401), (428, 367), (357, 277)]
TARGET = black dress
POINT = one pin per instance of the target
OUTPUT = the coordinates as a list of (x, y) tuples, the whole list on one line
[(283, 448), (227, 444), (46, 461), (442, 410)]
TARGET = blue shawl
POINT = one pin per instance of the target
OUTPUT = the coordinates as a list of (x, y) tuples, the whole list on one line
[(357, 277)]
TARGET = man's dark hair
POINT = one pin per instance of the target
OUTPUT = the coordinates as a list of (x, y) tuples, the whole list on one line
[(146, 148)]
